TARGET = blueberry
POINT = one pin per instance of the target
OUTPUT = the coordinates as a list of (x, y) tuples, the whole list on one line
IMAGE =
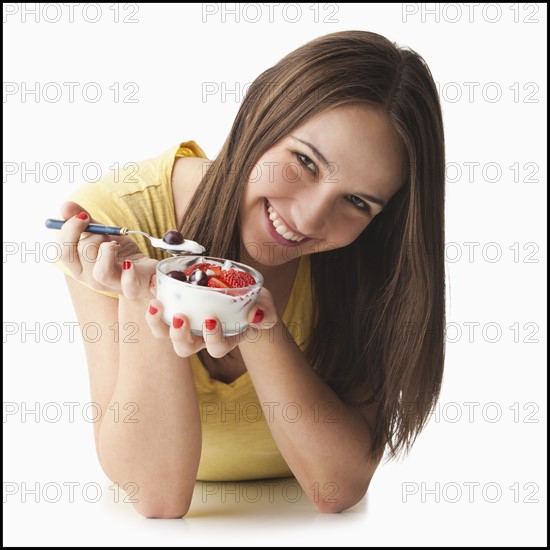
[(179, 275), (198, 277), (173, 237)]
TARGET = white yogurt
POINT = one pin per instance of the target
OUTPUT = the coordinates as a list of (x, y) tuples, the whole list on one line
[(197, 303), (190, 247)]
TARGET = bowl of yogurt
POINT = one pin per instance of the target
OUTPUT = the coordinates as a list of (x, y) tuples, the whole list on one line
[(202, 287)]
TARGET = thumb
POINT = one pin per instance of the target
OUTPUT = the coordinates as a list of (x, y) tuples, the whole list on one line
[(263, 314), (70, 209)]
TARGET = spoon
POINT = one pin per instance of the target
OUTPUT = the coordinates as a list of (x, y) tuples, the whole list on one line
[(187, 247)]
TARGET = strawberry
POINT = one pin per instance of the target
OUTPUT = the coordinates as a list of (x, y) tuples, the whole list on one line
[(217, 269), (236, 279), (214, 282)]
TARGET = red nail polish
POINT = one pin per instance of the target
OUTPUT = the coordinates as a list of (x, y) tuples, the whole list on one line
[(177, 322), (259, 317), (210, 324), (152, 310), (126, 265), (82, 216)]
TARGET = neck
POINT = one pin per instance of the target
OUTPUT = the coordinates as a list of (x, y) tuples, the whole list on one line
[(271, 272)]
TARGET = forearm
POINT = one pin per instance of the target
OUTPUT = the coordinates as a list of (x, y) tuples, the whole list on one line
[(158, 448), (324, 441)]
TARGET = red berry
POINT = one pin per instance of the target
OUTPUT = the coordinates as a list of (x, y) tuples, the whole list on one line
[(214, 282), (237, 279), (179, 275), (173, 237)]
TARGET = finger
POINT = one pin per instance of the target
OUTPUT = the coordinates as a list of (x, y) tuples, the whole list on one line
[(70, 209), (129, 280), (256, 320), (216, 343), (137, 276), (153, 316), (69, 237), (184, 343), (256, 315), (263, 315), (153, 284), (106, 270)]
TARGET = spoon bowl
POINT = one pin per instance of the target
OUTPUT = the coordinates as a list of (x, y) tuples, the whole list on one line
[(187, 247)]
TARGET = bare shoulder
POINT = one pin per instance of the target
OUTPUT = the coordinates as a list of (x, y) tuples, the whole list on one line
[(186, 176)]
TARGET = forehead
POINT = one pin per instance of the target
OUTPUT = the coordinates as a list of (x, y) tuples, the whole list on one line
[(365, 148)]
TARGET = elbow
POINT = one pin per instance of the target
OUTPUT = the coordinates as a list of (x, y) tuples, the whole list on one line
[(155, 498), (341, 500), (334, 507), (158, 501), (329, 507), (165, 508), (171, 503)]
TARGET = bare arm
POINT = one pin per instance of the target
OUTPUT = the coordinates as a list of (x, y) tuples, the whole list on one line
[(160, 452), (324, 441)]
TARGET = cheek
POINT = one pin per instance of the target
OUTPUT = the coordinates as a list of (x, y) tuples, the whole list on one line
[(291, 172), (273, 174), (344, 231), (257, 175)]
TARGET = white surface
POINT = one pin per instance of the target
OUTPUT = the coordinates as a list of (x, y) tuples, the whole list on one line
[(176, 67)]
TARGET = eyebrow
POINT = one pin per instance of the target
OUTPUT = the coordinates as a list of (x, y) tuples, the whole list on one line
[(370, 198), (323, 159)]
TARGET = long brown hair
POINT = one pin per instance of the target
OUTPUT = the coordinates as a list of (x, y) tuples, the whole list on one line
[(382, 331)]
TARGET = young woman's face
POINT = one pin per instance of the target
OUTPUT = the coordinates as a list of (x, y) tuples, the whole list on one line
[(319, 187)]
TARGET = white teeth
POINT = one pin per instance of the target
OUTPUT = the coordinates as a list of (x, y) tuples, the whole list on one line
[(282, 229)]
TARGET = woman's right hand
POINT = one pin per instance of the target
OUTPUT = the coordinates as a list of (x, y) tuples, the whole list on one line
[(99, 260)]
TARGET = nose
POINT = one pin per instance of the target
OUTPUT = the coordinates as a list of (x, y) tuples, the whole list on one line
[(311, 213)]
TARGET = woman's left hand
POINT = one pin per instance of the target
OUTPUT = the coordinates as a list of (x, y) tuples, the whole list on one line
[(262, 316)]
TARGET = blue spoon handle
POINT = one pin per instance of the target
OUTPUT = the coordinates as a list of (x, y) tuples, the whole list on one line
[(96, 228)]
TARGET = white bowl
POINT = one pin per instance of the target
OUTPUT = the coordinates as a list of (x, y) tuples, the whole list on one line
[(197, 303)]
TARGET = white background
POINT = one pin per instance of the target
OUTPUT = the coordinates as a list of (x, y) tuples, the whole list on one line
[(446, 492)]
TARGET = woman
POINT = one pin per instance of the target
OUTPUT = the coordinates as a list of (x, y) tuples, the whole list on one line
[(331, 183)]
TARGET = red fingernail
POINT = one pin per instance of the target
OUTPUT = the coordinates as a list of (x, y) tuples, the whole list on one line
[(82, 216), (152, 310), (210, 324), (177, 322), (126, 264), (259, 317)]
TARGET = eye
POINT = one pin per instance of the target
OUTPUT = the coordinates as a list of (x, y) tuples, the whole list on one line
[(359, 203), (307, 162)]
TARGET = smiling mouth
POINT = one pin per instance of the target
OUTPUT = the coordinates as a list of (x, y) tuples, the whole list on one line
[(279, 228)]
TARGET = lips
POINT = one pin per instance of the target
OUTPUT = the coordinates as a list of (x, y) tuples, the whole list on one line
[(279, 229)]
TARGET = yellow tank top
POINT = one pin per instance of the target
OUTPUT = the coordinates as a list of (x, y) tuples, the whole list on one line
[(236, 440)]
